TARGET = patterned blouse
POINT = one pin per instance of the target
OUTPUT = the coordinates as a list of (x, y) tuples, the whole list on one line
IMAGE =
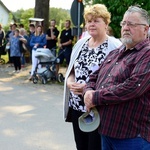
[(87, 62), (15, 46)]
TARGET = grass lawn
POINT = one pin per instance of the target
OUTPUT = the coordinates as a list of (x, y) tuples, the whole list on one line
[(5, 57)]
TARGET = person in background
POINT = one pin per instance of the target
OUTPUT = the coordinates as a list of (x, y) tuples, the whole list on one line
[(65, 44), (2, 40), (7, 40), (31, 33), (8, 32), (51, 37), (120, 89), (110, 31), (21, 26), (38, 40), (9, 35), (84, 33), (31, 30), (2, 35), (25, 47), (15, 49), (87, 55)]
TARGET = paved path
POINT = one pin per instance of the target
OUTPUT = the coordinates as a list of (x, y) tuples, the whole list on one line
[(31, 118)]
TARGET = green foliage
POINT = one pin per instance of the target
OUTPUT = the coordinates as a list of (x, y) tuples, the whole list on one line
[(89, 2), (6, 28), (60, 15), (17, 15), (22, 16), (118, 8)]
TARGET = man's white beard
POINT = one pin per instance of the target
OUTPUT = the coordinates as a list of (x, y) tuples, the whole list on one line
[(126, 41)]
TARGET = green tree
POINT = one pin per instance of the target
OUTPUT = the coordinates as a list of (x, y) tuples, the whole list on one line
[(118, 8), (22, 16), (60, 15), (25, 15)]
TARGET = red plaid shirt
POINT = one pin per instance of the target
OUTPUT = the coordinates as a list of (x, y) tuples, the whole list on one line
[(122, 92)]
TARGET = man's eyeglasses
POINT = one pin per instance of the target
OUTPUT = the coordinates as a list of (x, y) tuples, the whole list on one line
[(130, 24)]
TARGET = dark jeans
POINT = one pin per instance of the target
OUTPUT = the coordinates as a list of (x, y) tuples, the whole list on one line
[(17, 62), (65, 54), (53, 50), (85, 140), (23, 61), (137, 143)]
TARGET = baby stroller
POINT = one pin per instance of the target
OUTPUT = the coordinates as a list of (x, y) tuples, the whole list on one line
[(48, 70)]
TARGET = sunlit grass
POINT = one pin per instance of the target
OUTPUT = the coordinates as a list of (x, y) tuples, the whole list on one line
[(5, 57)]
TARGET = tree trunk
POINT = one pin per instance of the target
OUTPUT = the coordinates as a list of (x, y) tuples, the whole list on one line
[(42, 11)]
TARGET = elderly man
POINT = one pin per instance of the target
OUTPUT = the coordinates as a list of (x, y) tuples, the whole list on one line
[(120, 89)]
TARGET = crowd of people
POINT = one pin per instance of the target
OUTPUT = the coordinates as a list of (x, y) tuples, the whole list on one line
[(30, 40), (19, 42), (109, 74)]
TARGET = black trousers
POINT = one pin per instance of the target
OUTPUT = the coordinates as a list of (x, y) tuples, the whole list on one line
[(10, 59), (85, 140), (17, 62)]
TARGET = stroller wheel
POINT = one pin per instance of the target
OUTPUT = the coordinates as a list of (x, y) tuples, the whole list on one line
[(60, 78), (35, 79), (43, 79)]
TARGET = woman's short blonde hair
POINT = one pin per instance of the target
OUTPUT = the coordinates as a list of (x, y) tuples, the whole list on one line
[(96, 11)]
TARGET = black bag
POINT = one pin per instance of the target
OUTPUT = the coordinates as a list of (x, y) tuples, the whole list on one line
[(23, 48)]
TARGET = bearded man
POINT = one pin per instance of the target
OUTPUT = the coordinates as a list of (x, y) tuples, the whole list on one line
[(120, 89)]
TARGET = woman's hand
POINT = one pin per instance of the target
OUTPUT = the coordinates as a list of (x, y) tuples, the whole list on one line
[(23, 40), (37, 44), (76, 88)]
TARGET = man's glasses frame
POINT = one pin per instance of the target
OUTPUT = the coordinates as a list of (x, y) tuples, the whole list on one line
[(131, 24)]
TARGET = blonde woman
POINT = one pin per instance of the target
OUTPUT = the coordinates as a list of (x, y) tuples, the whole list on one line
[(38, 40), (87, 55)]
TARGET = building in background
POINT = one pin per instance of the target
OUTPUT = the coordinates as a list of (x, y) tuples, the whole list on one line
[(5, 14)]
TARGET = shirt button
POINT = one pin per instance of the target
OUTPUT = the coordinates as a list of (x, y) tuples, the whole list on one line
[(102, 86), (116, 63), (109, 75)]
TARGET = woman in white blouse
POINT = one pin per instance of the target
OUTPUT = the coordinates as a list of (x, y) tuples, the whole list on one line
[(87, 55)]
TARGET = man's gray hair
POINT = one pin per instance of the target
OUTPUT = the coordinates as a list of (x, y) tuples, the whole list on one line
[(142, 12)]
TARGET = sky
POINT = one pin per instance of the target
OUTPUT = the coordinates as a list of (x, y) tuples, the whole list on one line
[(14, 5)]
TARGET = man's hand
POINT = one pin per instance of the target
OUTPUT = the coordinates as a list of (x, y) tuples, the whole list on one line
[(60, 45), (88, 99)]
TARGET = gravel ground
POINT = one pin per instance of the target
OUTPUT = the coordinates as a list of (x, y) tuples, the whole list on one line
[(7, 74), (31, 115)]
